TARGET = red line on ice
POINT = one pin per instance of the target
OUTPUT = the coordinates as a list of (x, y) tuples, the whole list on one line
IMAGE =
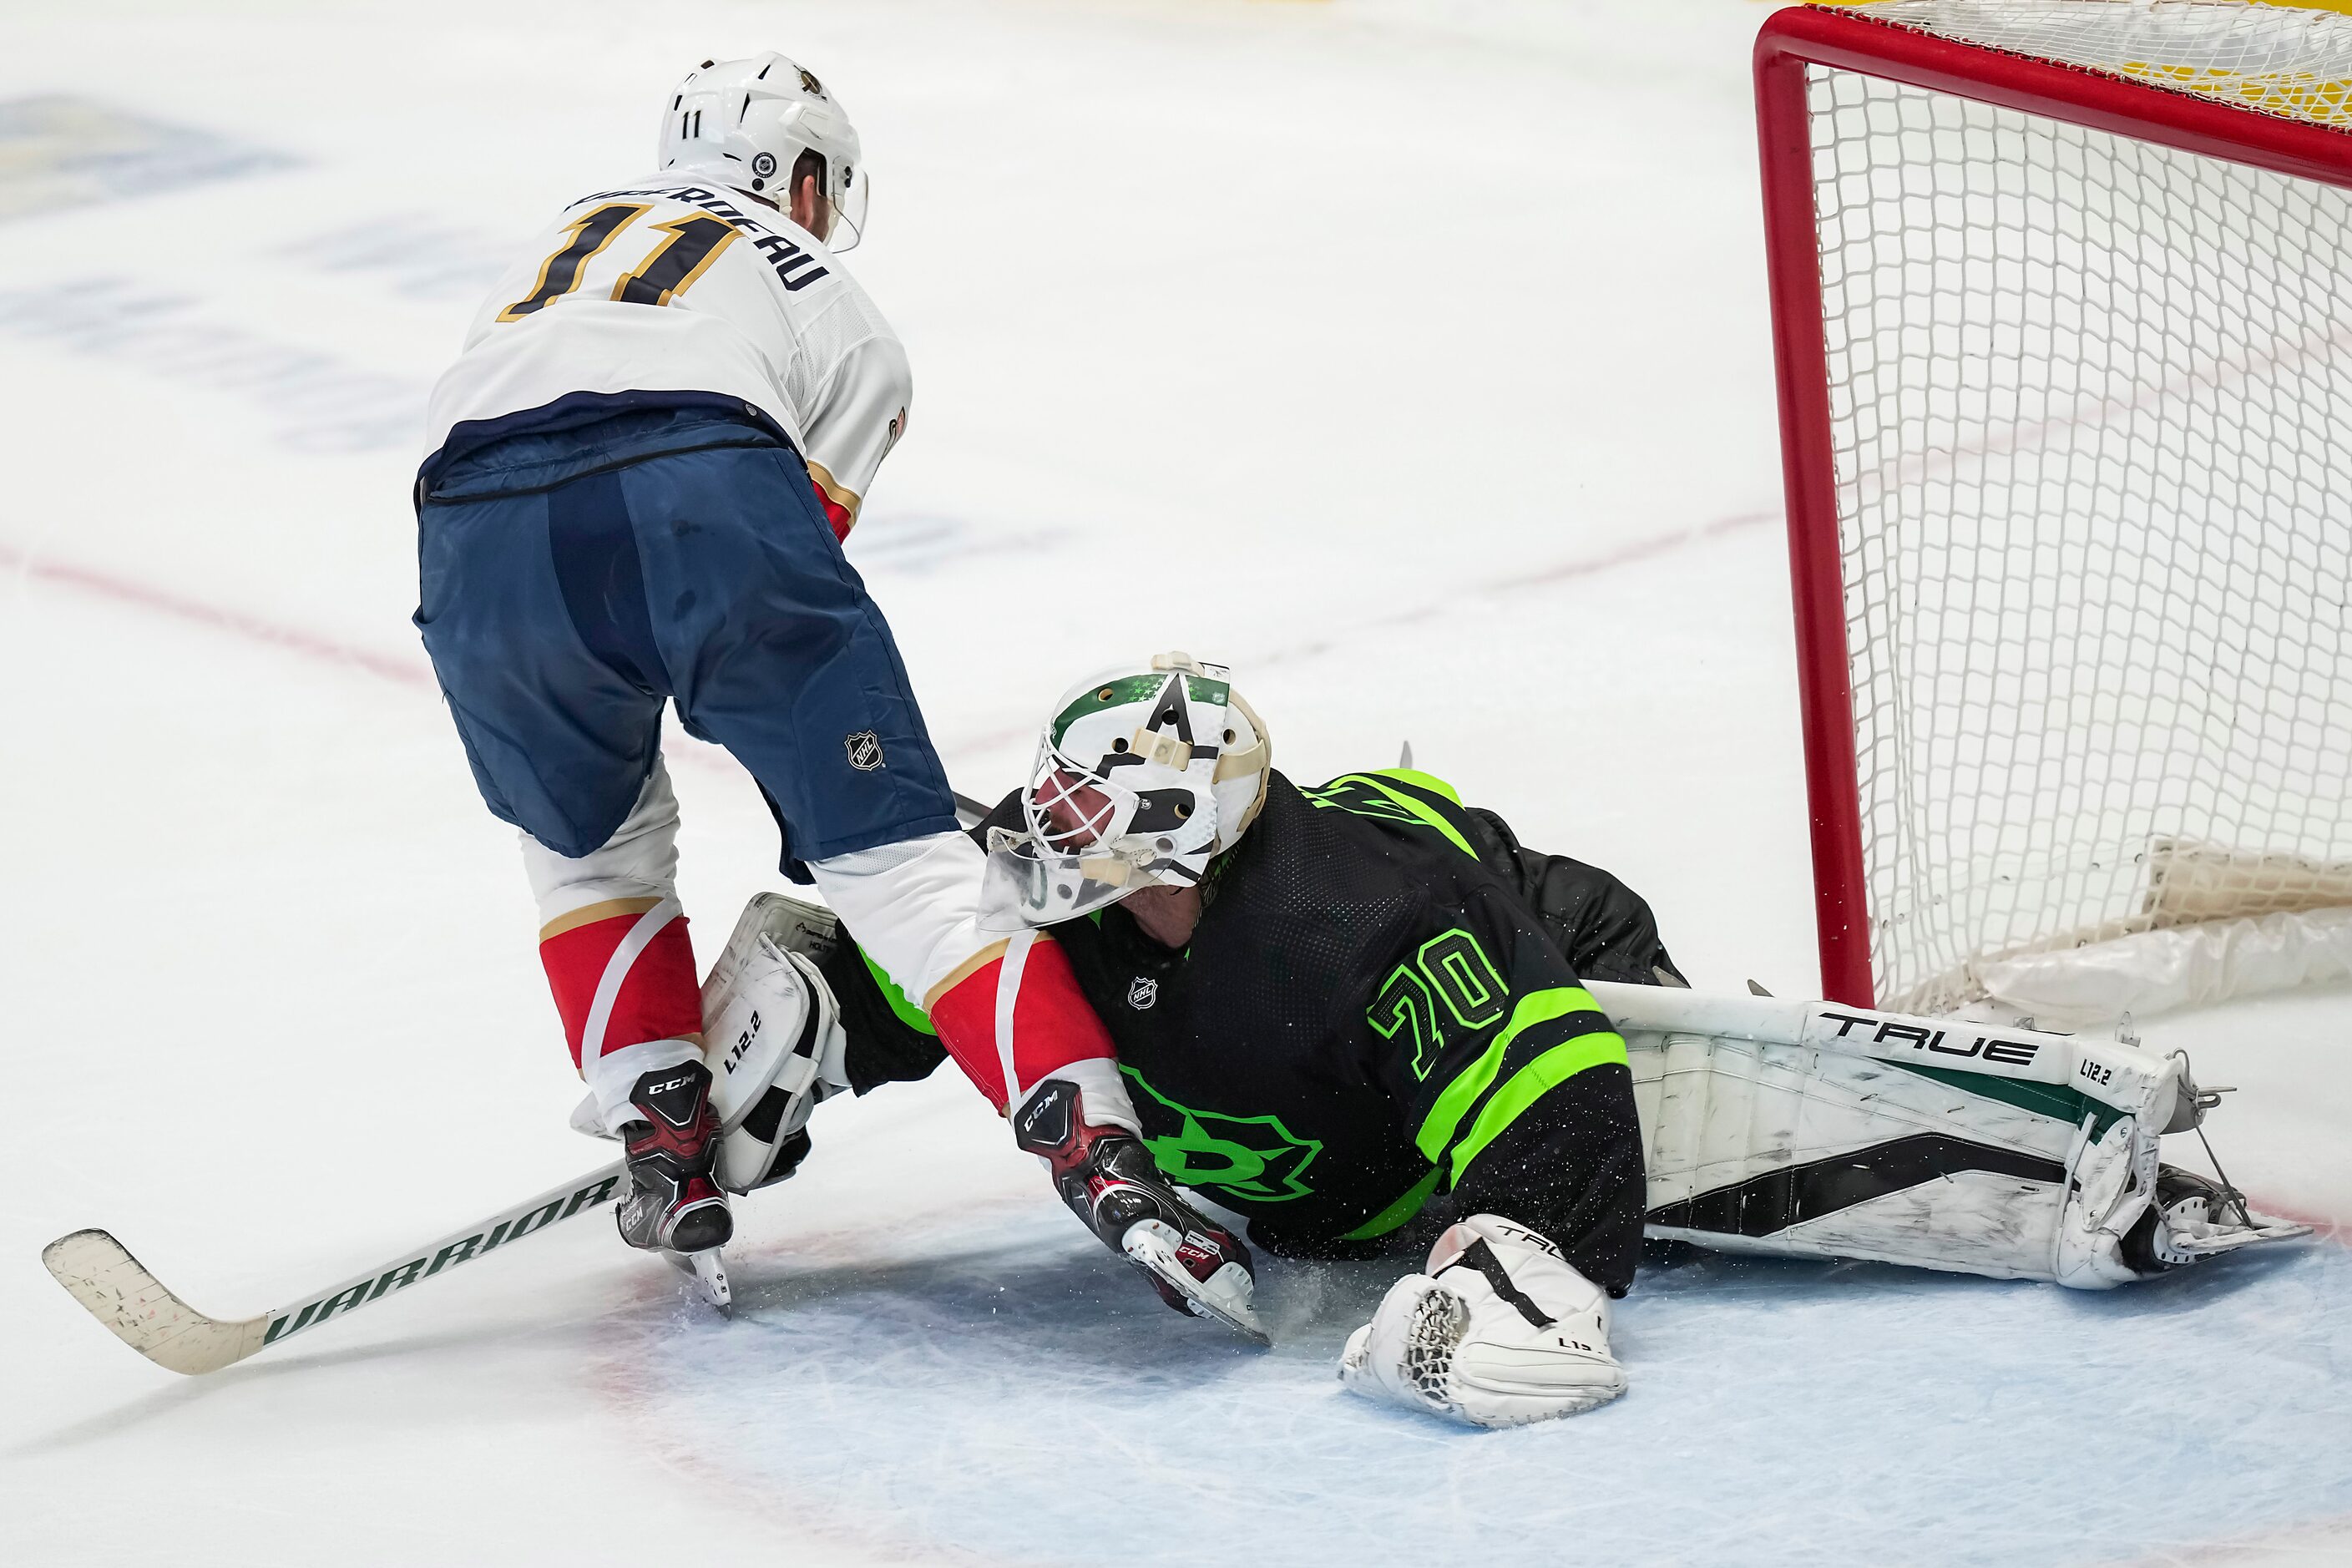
[(196, 612), (314, 645)]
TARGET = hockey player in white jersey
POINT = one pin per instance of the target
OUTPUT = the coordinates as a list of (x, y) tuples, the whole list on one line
[(665, 419)]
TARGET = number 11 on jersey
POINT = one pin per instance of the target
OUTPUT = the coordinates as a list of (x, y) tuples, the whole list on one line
[(690, 245)]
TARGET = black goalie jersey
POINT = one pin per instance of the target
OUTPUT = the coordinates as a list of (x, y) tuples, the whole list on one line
[(1380, 1005)]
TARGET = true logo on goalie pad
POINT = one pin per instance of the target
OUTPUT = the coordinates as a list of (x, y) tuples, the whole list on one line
[(1920, 1036)]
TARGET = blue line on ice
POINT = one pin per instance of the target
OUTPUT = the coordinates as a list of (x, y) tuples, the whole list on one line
[(1017, 1395)]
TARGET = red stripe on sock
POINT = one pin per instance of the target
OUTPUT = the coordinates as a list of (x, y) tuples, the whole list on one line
[(966, 1020), (1052, 1024), (660, 999)]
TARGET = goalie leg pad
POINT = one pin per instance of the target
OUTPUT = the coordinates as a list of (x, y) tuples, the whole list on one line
[(1500, 1332), (2111, 1184), (774, 1044), (1809, 1130)]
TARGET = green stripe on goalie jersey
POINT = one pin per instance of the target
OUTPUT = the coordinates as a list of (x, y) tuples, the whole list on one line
[(1397, 1213), (1530, 1083), (1594, 1045), (1378, 793)]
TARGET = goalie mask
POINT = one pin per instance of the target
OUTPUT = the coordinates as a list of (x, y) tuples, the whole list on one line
[(746, 122), (1142, 777)]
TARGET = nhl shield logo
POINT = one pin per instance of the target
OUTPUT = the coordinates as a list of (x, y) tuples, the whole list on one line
[(864, 748), (1142, 991)]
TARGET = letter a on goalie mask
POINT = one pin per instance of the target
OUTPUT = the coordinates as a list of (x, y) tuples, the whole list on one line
[(1142, 777)]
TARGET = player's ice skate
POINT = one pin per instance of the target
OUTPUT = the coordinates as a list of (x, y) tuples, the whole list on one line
[(1109, 1179), (673, 1203), (1198, 1272), (707, 1270)]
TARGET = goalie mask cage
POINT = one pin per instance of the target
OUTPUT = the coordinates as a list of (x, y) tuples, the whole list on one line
[(2063, 315)]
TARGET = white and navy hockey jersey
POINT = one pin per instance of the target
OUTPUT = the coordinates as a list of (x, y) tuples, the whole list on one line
[(672, 286)]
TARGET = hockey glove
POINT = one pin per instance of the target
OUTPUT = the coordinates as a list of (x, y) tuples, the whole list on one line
[(1499, 1333), (1106, 1176)]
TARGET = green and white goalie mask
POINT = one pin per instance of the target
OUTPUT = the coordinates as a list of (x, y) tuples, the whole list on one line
[(1142, 778)]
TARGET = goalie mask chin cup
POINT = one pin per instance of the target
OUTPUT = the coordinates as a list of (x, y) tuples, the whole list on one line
[(1027, 884), (1141, 778)]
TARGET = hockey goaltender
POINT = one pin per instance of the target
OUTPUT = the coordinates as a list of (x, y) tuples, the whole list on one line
[(1365, 1019)]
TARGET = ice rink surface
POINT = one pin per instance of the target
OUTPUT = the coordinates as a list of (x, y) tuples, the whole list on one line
[(1409, 355)]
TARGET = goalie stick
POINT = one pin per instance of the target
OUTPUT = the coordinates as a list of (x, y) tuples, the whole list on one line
[(100, 1272)]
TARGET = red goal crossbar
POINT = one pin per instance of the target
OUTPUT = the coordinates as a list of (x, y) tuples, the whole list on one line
[(1791, 40)]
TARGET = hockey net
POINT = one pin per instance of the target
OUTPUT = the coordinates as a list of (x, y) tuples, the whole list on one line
[(2063, 306)]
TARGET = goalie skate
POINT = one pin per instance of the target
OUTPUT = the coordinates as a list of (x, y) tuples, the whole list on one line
[(2195, 1217)]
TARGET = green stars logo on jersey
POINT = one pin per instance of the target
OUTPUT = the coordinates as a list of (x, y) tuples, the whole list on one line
[(1255, 1159)]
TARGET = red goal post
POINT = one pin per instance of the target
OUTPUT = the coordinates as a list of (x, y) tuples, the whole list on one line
[(1797, 48)]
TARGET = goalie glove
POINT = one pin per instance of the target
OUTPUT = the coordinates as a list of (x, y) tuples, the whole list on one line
[(1106, 1176), (1499, 1333)]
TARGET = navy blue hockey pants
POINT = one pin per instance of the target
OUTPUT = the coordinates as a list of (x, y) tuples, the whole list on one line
[(575, 578)]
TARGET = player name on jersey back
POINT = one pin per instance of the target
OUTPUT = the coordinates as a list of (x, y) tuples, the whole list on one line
[(670, 285), (796, 265)]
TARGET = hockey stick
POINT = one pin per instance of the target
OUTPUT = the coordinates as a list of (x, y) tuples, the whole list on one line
[(143, 1312), (97, 1271)]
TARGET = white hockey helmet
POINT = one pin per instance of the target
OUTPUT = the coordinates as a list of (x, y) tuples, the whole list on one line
[(746, 122), (1144, 776)]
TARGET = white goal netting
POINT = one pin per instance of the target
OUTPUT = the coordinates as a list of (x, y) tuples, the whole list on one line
[(2093, 416)]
